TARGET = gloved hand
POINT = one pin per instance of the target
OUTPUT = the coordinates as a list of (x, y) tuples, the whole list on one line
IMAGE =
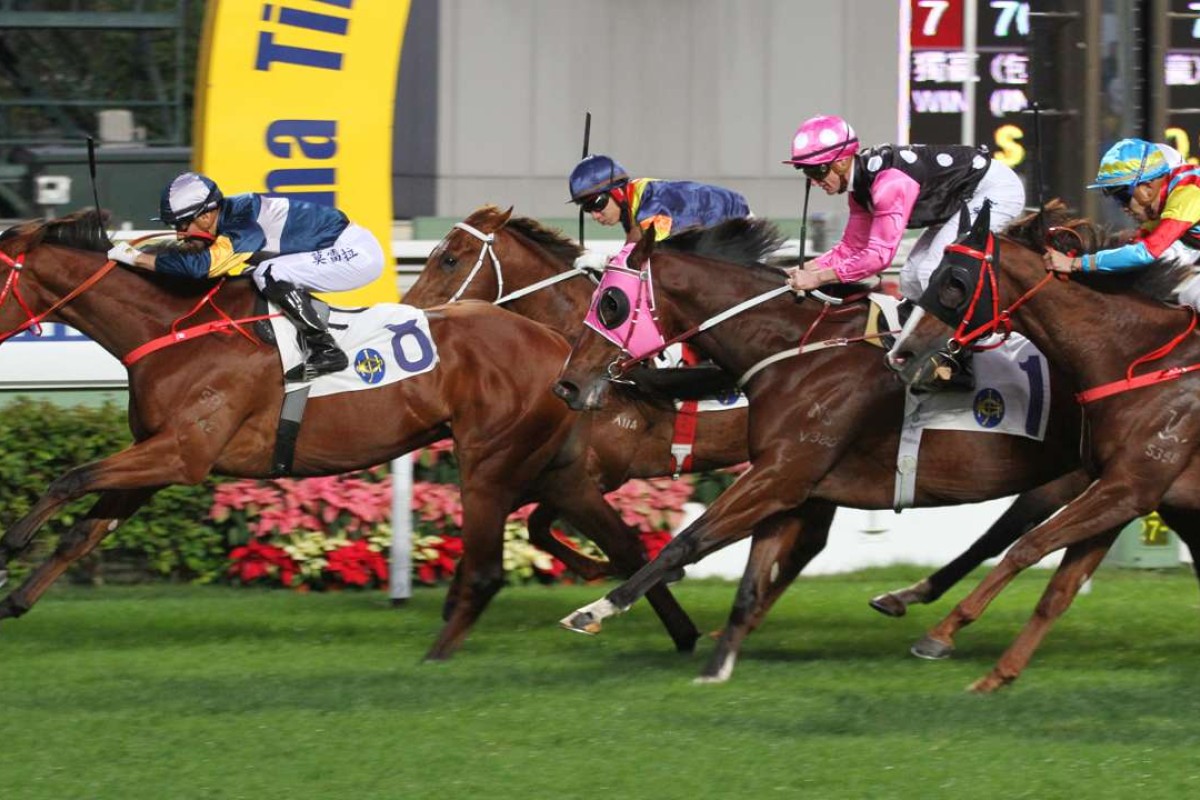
[(591, 260), (124, 253)]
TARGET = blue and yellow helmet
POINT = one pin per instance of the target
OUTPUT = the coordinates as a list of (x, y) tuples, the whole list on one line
[(1130, 162), (595, 174)]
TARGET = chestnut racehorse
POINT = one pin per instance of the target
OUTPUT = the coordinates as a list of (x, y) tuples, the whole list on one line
[(211, 405), (1129, 355), (823, 425), (515, 261)]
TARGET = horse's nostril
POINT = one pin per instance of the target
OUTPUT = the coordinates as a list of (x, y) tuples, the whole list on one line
[(566, 390)]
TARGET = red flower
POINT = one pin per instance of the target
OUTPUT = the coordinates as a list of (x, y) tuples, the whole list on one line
[(257, 560), (356, 563), (449, 550), (654, 541)]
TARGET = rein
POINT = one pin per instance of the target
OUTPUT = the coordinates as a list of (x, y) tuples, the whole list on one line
[(489, 249), (618, 368), (1003, 318)]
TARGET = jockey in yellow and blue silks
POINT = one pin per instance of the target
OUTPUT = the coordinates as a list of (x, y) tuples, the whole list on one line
[(603, 188), (1158, 191), (296, 246)]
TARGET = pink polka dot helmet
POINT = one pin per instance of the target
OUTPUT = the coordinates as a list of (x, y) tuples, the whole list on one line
[(822, 140)]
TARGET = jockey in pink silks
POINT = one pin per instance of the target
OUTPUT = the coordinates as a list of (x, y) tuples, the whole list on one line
[(892, 187)]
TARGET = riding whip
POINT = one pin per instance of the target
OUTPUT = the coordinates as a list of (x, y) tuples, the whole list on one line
[(91, 148), (587, 136)]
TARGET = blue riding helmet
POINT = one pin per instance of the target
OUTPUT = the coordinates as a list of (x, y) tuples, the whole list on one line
[(187, 197), (595, 174), (1130, 162)]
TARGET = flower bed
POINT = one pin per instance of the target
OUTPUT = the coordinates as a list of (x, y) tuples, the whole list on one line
[(334, 532)]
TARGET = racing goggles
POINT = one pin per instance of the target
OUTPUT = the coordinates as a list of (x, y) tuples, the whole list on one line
[(815, 172), (1122, 194), (594, 203)]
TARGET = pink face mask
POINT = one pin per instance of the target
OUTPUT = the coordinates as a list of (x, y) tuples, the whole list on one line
[(623, 309)]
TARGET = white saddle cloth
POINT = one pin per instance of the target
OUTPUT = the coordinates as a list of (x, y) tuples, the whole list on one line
[(385, 343)]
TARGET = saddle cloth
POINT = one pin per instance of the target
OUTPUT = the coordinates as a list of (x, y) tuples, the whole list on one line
[(1012, 390), (385, 343)]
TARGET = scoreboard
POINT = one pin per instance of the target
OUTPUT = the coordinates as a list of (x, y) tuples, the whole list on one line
[(967, 77)]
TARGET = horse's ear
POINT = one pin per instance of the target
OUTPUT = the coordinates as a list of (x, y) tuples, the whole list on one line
[(964, 220), (983, 222), (504, 218)]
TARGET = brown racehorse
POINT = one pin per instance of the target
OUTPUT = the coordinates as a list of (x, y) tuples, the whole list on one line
[(528, 268), (1141, 439), (824, 425), (211, 405)]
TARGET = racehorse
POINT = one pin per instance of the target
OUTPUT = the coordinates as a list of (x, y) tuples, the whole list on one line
[(528, 268), (1141, 427), (211, 403), (824, 424)]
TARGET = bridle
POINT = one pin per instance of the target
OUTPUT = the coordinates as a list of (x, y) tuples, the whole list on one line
[(12, 287), (489, 250)]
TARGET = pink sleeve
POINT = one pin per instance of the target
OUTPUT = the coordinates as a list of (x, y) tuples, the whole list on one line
[(870, 240)]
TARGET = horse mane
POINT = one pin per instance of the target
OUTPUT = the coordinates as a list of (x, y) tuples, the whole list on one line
[(79, 230), (745, 241), (559, 246), (1158, 281)]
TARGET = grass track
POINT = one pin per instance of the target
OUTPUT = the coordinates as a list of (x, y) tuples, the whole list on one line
[(185, 692)]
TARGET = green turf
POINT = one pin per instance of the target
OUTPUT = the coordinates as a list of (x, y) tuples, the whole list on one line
[(170, 692)]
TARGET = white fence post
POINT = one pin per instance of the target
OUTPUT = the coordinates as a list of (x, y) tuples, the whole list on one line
[(400, 581)]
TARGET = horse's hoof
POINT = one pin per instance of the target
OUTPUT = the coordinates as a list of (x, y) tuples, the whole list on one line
[(989, 683), (708, 680), (889, 605), (931, 649), (581, 622), (719, 670)]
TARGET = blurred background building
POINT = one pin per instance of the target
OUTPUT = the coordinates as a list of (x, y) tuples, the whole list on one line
[(492, 93)]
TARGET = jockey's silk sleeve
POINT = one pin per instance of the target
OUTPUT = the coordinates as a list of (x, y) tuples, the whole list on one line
[(660, 223), (872, 237), (215, 260)]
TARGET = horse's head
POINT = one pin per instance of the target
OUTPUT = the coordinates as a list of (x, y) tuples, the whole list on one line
[(458, 268), (959, 305), (678, 290), (624, 317)]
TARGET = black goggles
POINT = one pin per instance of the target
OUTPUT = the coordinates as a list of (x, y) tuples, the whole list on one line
[(1122, 194), (815, 172), (595, 203)]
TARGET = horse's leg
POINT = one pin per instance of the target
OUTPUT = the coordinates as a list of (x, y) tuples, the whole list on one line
[(1027, 511), (780, 549), (590, 512), (480, 571), (1079, 562), (156, 462), (541, 537), (113, 508), (1106, 504), (769, 487)]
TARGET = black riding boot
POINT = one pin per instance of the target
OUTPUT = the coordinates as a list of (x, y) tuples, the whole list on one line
[(322, 354)]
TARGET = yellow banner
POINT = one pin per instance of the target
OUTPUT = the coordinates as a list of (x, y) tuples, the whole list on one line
[(295, 98)]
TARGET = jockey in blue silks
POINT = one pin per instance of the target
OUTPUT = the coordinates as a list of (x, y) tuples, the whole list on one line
[(298, 247), (603, 188)]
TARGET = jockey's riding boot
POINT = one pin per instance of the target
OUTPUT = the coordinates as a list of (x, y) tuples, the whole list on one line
[(962, 378), (322, 354)]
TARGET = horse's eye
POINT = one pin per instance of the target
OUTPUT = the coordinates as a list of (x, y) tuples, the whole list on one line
[(613, 308), (449, 262), (952, 292)]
